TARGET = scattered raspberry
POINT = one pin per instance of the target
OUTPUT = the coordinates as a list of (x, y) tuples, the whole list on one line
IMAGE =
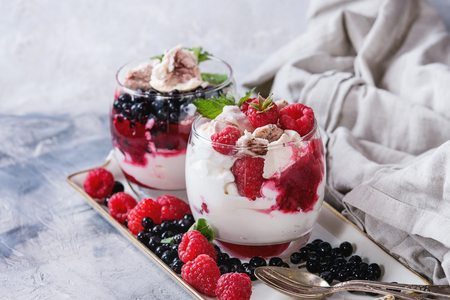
[(145, 208), (202, 273), (172, 208), (120, 204), (246, 104), (99, 183), (247, 173), (229, 136), (297, 117), (262, 112), (194, 244), (234, 286)]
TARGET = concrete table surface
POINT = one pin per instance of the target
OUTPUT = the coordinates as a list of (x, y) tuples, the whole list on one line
[(58, 61)]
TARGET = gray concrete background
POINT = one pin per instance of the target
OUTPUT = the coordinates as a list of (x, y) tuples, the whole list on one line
[(58, 61)]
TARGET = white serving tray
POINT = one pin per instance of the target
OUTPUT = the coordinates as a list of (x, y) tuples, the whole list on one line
[(331, 227)]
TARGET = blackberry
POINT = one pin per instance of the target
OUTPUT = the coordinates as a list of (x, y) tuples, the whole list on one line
[(161, 249), (324, 265), (147, 223), (224, 269), (312, 266), (324, 249), (157, 105), (217, 249), (126, 223), (355, 258), (150, 93), (374, 269), (139, 111), (169, 225), (346, 248), (157, 230), (335, 252), (168, 256), (257, 261), (167, 234), (316, 242), (340, 261), (234, 262), (184, 225), (296, 258), (237, 269), (144, 236), (250, 271), (174, 92), (153, 243), (312, 257), (327, 276), (285, 265), (177, 238), (176, 265), (275, 261), (118, 187), (222, 259)]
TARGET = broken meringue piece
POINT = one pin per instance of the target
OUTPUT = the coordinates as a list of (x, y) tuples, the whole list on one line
[(139, 77), (269, 132), (256, 146), (281, 103), (178, 70), (232, 116)]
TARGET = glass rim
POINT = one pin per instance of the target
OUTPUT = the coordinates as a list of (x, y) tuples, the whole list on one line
[(181, 95), (306, 137)]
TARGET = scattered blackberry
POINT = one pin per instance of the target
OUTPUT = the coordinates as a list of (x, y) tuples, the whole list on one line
[(276, 261), (250, 271), (257, 261), (168, 256), (144, 236), (295, 258), (312, 266), (147, 223), (328, 276), (177, 238), (375, 270), (224, 269), (176, 265), (217, 249), (126, 223), (161, 249), (184, 225), (157, 230), (346, 248), (167, 234), (355, 258), (237, 269), (285, 265), (316, 242), (118, 187), (324, 248), (222, 259), (234, 262), (153, 243)]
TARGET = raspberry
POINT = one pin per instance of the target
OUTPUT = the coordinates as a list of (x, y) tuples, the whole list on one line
[(297, 117), (172, 208), (247, 173), (99, 183), (202, 274), (120, 204), (234, 286), (246, 104), (145, 208), (229, 136), (262, 112), (194, 244)]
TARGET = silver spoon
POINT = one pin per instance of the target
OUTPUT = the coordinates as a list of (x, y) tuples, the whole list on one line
[(307, 285)]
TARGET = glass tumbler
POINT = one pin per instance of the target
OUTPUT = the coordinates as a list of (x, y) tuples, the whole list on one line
[(288, 202), (150, 130)]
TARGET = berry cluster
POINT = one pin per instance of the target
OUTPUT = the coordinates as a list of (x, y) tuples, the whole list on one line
[(331, 263), (166, 114)]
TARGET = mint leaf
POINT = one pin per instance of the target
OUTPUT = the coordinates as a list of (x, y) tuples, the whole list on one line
[(201, 56), (158, 57), (212, 107), (246, 97), (168, 240), (202, 226), (214, 78)]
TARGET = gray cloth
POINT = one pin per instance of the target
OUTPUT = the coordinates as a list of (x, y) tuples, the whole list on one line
[(377, 76)]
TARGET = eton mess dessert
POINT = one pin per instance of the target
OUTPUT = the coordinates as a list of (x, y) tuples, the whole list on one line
[(151, 117), (255, 171)]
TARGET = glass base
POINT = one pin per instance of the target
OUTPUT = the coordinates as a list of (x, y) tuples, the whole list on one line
[(154, 193), (283, 250)]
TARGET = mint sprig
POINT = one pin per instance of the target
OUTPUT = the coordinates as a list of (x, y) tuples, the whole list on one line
[(212, 107), (214, 78), (202, 226), (246, 97)]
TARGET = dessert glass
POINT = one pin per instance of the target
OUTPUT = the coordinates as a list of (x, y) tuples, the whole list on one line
[(291, 194), (150, 130)]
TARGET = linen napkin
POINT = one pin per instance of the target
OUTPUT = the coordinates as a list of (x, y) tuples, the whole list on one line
[(377, 76)]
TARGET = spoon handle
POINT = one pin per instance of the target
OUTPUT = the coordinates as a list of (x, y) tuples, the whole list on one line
[(437, 290)]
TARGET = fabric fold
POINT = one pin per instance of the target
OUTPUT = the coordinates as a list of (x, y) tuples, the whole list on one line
[(376, 74)]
